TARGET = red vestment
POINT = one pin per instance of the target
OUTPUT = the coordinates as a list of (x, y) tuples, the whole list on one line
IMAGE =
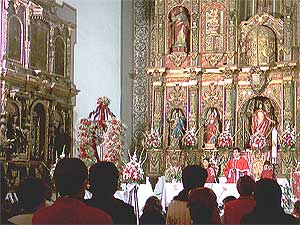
[(267, 174), (235, 168), (210, 175)]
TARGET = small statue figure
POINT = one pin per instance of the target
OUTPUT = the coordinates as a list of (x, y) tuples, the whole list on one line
[(211, 126), (177, 128)]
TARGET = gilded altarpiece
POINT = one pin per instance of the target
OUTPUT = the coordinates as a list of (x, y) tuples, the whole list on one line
[(37, 86), (210, 74)]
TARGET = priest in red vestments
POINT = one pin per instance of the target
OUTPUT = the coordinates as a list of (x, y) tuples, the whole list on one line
[(236, 167)]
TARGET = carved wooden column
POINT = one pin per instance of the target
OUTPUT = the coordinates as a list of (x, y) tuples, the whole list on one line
[(297, 109), (51, 48), (161, 38), (195, 26), (288, 98), (228, 85)]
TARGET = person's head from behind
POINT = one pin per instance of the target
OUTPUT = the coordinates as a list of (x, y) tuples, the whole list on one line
[(245, 186), (70, 177), (267, 165), (103, 179), (152, 204), (203, 205), (267, 193), (193, 176), (32, 193), (236, 152)]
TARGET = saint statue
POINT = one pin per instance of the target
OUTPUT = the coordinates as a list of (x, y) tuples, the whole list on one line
[(176, 128), (261, 122), (180, 28), (211, 126)]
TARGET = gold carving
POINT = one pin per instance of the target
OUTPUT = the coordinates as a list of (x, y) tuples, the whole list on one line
[(178, 58)]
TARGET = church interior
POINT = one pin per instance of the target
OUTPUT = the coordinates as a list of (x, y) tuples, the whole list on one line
[(153, 85)]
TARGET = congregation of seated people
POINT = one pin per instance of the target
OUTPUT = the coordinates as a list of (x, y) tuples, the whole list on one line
[(259, 202)]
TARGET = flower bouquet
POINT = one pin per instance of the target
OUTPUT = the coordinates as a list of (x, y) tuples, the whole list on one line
[(152, 140), (288, 139), (101, 136), (133, 171), (190, 138), (258, 141), (225, 140)]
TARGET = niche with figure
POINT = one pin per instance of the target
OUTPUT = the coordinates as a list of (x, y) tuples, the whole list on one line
[(38, 132), (258, 115), (177, 128), (14, 131), (212, 127), (179, 27)]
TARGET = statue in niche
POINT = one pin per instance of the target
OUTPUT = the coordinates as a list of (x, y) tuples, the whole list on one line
[(177, 127), (212, 126), (61, 141), (261, 121), (180, 28)]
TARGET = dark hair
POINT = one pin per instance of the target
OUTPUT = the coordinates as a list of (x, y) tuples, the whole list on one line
[(267, 193), (237, 148), (267, 163), (202, 202), (32, 193), (69, 176), (245, 186), (228, 199), (193, 176), (103, 178), (152, 204)]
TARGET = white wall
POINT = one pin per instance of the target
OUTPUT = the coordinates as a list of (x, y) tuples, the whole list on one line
[(97, 54)]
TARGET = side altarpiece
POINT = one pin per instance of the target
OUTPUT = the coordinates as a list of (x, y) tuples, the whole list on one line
[(37, 85)]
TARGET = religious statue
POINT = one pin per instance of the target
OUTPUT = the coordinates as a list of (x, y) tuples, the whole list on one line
[(261, 122), (211, 126), (180, 29), (176, 128), (61, 141)]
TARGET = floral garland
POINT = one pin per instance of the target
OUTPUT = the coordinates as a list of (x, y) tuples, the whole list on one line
[(288, 139), (114, 139), (190, 138), (152, 140), (133, 171), (258, 141), (86, 142)]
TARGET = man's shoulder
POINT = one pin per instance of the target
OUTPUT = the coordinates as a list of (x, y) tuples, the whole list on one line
[(121, 204)]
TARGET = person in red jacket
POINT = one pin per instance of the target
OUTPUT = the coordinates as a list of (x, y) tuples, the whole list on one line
[(210, 171), (268, 172), (70, 177), (236, 167)]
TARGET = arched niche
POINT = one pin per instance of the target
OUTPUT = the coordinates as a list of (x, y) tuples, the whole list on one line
[(249, 110), (38, 132), (177, 127), (59, 56), (179, 30), (39, 38), (212, 125), (261, 46), (14, 39)]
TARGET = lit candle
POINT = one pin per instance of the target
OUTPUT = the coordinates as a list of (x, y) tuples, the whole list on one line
[(274, 143)]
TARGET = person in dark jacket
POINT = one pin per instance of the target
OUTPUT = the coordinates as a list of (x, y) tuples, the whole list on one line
[(268, 208), (103, 179)]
